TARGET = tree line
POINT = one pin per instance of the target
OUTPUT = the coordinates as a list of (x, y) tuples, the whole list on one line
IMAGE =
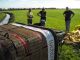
[(4, 9)]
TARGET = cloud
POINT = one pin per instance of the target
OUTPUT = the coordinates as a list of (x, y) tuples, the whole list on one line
[(39, 3)]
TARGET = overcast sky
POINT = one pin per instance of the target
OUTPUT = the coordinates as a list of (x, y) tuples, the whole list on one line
[(39, 3)]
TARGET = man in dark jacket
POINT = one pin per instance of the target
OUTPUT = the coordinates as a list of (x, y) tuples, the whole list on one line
[(42, 15), (68, 14)]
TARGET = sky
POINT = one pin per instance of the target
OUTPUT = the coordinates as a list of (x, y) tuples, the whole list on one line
[(39, 3)]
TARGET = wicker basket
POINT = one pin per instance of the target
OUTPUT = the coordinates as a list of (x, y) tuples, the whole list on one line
[(22, 43)]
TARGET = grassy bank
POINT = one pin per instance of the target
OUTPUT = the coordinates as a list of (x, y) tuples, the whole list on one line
[(2, 15)]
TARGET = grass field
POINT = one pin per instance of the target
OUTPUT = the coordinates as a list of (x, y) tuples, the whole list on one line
[(2, 15), (55, 20), (69, 52)]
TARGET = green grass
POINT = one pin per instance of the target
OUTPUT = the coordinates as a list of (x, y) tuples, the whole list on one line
[(55, 18), (69, 52), (2, 15)]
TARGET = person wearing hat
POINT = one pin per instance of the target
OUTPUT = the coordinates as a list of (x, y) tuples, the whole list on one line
[(42, 15), (29, 16), (68, 14)]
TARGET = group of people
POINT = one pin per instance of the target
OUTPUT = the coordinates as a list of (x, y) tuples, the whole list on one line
[(42, 15), (68, 14)]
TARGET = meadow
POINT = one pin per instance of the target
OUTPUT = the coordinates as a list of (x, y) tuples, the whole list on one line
[(55, 18)]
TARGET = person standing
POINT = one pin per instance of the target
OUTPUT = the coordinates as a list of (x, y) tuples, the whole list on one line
[(42, 15), (29, 16), (68, 14)]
